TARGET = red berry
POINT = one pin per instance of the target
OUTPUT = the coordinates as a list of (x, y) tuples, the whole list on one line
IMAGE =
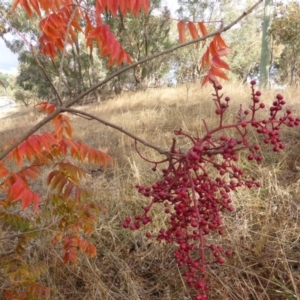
[(250, 157)]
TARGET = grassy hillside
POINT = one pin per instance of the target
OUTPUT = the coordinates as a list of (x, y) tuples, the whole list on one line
[(263, 232)]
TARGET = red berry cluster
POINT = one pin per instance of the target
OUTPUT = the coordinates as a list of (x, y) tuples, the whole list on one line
[(196, 185)]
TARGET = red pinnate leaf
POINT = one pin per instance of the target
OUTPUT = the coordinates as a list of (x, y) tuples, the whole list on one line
[(25, 4), (68, 126), (205, 80), (145, 5), (91, 250), (223, 51), (36, 7), (213, 48), (83, 151), (61, 184), (181, 31), (205, 59), (15, 4), (57, 238), (202, 28), (35, 145), (31, 172), (3, 170), (112, 7), (123, 7), (68, 189), (99, 7), (193, 30), (17, 157), (218, 72), (58, 126), (219, 63), (71, 256), (31, 197), (220, 41), (51, 176), (59, 177), (83, 245), (46, 107), (17, 191)]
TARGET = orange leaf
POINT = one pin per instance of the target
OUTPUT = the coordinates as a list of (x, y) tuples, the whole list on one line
[(17, 190), (56, 180), (57, 238), (212, 48), (31, 172), (29, 197), (83, 150), (83, 245), (112, 7), (219, 63), (223, 51), (61, 184), (25, 4), (193, 30), (202, 28), (95, 32), (220, 41), (35, 144), (36, 7), (17, 157), (51, 176), (218, 72), (68, 126), (205, 80), (15, 4), (145, 5), (68, 190), (71, 256), (91, 250), (3, 170), (181, 31), (205, 59)]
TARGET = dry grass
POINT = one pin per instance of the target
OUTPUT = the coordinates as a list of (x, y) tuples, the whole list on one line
[(263, 231)]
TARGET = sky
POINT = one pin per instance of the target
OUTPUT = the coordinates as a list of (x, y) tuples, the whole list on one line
[(9, 60)]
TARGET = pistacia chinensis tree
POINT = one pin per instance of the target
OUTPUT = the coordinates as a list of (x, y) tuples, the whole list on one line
[(195, 184)]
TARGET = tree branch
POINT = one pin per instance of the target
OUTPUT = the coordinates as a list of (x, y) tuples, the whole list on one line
[(108, 78), (136, 138)]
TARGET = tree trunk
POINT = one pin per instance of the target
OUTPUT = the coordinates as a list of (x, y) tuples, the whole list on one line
[(265, 56)]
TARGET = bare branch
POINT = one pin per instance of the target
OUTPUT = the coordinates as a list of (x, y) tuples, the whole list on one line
[(64, 51), (136, 138), (59, 100), (107, 79)]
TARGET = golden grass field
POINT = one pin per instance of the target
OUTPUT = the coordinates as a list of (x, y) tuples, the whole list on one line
[(263, 232)]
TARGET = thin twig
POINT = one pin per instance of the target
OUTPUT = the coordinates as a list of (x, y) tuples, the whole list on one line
[(107, 79), (64, 52), (59, 100), (136, 138), (27, 232)]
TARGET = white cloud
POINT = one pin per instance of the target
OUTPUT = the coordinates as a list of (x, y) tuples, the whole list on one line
[(8, 60)]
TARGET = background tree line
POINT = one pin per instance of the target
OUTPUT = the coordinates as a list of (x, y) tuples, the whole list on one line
[(152, 33)]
